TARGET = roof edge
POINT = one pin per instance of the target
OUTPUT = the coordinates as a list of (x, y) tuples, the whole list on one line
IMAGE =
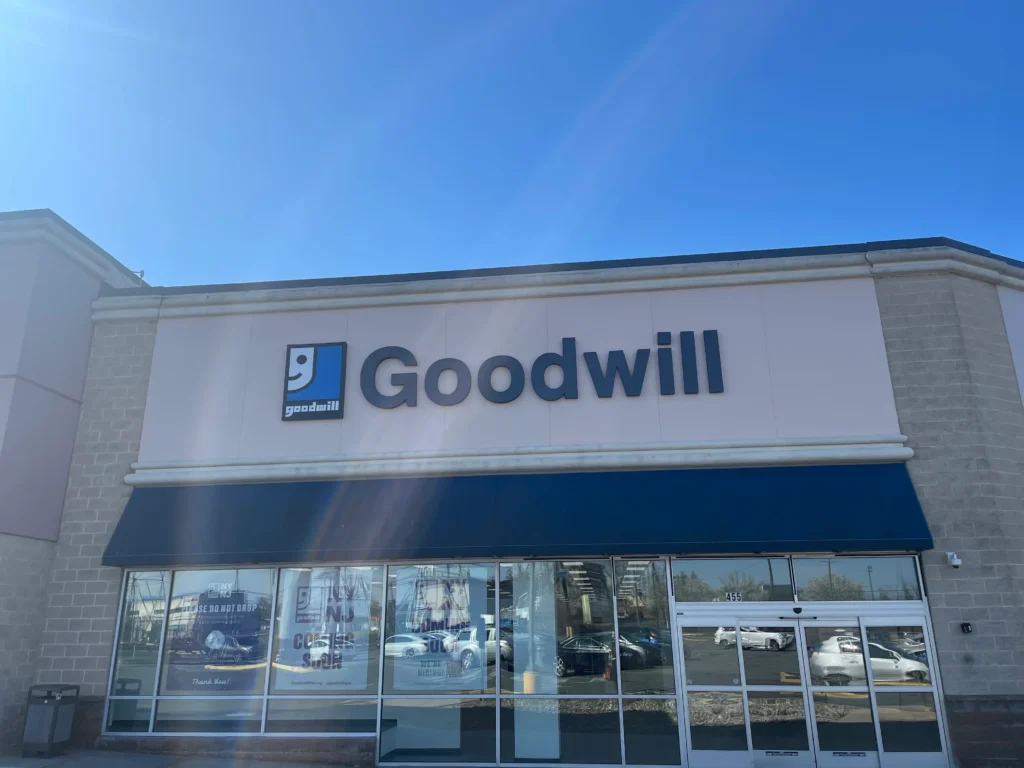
[(63, 235), (573, 266)]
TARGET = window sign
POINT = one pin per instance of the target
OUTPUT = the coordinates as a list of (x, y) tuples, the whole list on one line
[(441, 635), (327, 630), (218, 628)]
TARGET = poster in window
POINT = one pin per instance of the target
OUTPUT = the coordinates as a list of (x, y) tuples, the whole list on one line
[(218, 630), (440, 632), (328, 630)]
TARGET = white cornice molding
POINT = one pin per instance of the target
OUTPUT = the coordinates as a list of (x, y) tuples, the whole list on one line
[(92, 260), (491, 288), (564, 283), (945, 259), (846, 450)]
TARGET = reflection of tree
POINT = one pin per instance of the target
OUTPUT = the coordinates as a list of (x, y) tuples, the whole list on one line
[(692, 589), (743, 583), (834, 587)]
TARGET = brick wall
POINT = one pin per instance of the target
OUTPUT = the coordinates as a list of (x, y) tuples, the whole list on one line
[(82, 596), (24, 570), (959, 404)]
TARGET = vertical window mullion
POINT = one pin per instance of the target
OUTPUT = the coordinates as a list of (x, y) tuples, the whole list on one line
[(275, 581), (113, 653), (160, 649), (618, 659)]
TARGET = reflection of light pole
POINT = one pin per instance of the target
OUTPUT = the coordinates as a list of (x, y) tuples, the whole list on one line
[(871, 584)]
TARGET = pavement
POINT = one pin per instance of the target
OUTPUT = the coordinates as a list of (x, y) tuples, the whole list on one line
[(106, 759)]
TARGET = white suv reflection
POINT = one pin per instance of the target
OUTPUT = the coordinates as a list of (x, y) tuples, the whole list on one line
[(766, 638), (840, 661)]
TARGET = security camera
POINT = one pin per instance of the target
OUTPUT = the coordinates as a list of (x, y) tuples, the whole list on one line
[(954, 559), (798, 610)]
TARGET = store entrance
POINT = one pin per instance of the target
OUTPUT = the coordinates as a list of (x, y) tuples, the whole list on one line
[(770, 690)]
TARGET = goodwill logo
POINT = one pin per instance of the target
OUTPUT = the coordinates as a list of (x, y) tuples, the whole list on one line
[(314, 382)]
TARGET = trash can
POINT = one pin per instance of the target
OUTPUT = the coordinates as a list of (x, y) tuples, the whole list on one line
[(51, 709), (124, 713)]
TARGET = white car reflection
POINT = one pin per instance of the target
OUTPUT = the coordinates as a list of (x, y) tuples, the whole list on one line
[(405, 646), (767, 638), (467, 647), (839, 660)]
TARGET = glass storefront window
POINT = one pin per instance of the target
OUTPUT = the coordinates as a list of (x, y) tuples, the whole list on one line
[(710, 656), (557, 622), (560, 731), (327, 630), (835, 655), (441, 636), (898, 656), (218, 632), (138, 640), (777, 720), (909, 722), (716, 720), (573, 660), (645, 627), (781, 666), (856, 578), (732, 580), (327, 715), (208, 715), (129, 715), (844, 722), (651, 731), (426, 730)]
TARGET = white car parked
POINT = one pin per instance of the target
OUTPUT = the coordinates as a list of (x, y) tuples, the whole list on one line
[(840, 661), (768, 638)]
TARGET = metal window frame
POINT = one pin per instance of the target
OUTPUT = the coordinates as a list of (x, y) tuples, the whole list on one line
[(876, 610)]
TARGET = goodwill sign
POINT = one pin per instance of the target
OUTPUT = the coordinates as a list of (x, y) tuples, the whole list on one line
[(314, 386)]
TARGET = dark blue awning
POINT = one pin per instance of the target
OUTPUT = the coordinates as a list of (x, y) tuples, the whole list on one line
[(864, 507)]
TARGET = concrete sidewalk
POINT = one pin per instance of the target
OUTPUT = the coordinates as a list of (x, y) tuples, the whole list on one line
[(105, 759)]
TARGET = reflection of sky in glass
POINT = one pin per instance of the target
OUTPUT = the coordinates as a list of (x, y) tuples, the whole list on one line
[(714, 572), (890, 577)]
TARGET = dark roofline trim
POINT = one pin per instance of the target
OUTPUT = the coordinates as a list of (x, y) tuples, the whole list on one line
[(576, 266), (45, 214)]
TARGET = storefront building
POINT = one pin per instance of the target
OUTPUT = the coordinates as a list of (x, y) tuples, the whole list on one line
[(726, 510)]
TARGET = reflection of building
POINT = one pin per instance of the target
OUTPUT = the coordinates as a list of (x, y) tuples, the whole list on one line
[(724, 406)]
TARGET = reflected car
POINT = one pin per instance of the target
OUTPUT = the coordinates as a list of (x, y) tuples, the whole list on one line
[(633, 655), (405, 646), (445, 639), (231, 650), (467, 647), (909, 644), (649, 639), (320, 650), (839, 660), (766, 638), (583, 655)]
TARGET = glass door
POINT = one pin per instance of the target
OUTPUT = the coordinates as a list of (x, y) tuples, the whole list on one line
[(744, 693), (842, 722), (904, 693)]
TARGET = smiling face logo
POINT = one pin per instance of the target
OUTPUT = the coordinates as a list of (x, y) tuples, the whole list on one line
[(300, 367), (314, 382)]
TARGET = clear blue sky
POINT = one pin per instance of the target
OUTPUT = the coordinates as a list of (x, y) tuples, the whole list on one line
[(249, 140)]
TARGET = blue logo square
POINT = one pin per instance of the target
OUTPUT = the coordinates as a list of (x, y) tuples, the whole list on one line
[(314, 382)]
